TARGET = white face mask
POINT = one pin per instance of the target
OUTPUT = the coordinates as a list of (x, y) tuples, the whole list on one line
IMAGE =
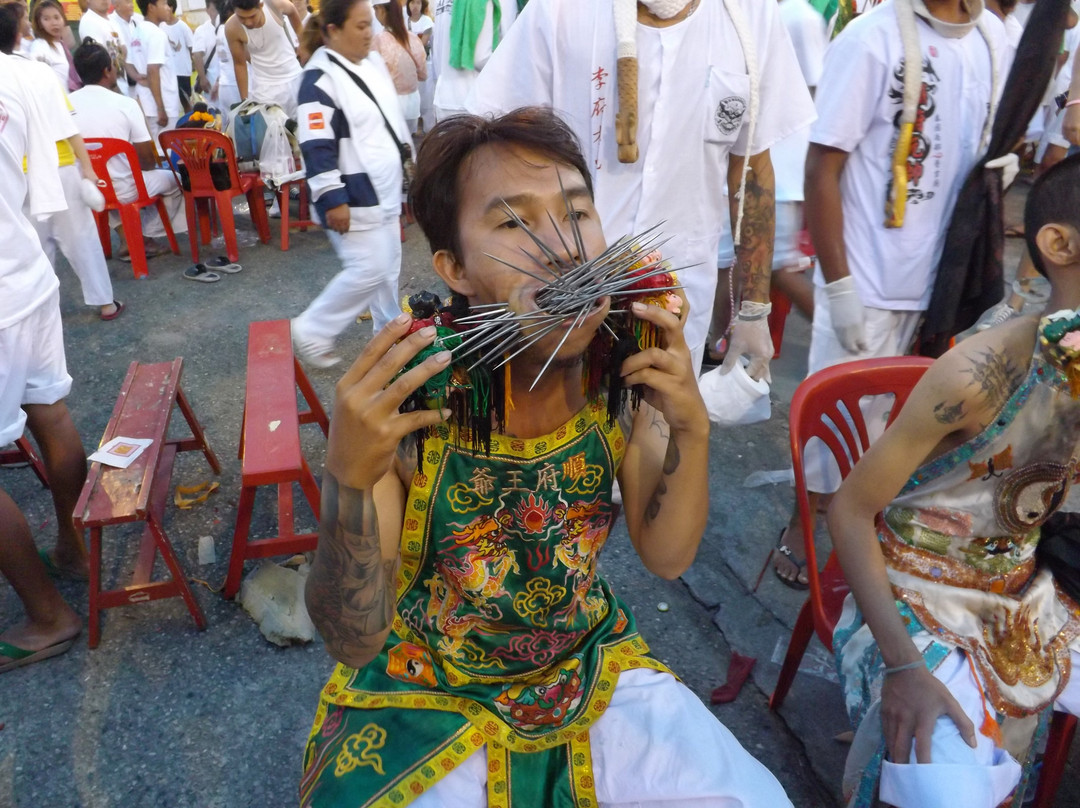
[(665, 9), (952, 30)]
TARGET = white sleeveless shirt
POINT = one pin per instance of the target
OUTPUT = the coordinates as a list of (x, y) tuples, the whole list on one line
[(273, 58)]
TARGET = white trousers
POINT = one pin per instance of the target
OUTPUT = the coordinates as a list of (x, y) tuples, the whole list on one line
[(161, 181), (888, 333), (368, 281), (155, 129), (283, 94), (75, 233), (984, 775), (656, 746)]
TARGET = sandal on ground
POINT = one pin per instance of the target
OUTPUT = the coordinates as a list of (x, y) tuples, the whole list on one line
[(223, 264), (151, 250), (56, 571), (1014, 231), (199, 272), (785, 551), (116, 312), (18, 657)]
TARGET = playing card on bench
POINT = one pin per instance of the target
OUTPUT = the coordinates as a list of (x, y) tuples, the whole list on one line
[(121, 452)]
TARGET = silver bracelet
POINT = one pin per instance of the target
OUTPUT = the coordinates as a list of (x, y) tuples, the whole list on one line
[(918, 663)]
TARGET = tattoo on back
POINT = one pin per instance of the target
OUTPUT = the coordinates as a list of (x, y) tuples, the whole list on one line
[(351, 590)]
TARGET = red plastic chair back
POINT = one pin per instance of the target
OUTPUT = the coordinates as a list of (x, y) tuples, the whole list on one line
[(826, 406), (101, 151), (197, 149)]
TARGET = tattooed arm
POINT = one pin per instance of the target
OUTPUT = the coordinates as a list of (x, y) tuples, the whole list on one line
[(753, 260), (960, 393), (664, 475), (350, 592)]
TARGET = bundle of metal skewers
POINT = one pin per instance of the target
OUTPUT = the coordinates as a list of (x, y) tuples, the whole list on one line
[(484, 339)]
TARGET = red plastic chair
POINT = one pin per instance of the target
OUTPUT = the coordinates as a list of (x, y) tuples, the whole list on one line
[(101, 150), (815, 411), (197, 150)]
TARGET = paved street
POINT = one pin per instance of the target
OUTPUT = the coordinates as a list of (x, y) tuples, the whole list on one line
[(161, 714)]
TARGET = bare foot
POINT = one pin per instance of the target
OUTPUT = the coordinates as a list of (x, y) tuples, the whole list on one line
[(37, 637)]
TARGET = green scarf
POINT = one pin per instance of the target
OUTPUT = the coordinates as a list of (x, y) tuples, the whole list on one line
[(467, 18)]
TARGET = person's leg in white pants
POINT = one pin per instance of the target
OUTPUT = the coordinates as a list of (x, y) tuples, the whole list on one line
[(368, 281), (984, 775), (161, 182), (75, 233)]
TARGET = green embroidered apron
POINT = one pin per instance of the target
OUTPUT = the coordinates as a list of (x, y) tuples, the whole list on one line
[(504, 637)]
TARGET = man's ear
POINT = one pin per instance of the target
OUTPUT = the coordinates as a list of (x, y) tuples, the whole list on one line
[(452, 272), (1059, 244)]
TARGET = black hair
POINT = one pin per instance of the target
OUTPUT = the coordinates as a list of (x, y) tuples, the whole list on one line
[(246, 5), (40, 7), (172, 5), (91, 61), (335, 12), (395, 23), (143, 5), (1053, 199), (11, 17), (435, 187)]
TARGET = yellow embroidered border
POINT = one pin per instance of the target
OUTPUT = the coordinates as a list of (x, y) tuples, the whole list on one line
[(431, 770), (626, 654), (498, 783), (582, 784)]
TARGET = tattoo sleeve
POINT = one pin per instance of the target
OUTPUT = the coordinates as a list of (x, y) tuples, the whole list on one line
[(754, 254), (350, 593)]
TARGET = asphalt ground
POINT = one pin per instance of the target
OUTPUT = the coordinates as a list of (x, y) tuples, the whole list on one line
[(161, 714)]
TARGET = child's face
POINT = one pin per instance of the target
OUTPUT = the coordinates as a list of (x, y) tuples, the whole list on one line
[(529, 183), (52, 22)]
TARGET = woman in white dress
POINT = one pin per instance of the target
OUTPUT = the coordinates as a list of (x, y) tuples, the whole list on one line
[(418, 21), (404, 56), (47, 19)]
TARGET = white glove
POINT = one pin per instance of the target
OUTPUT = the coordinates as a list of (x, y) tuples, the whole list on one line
[(750, 337), (1010, 167), (90, 194), (848, 316)]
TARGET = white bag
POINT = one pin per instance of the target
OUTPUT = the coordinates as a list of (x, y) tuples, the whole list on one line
[(734, 398)]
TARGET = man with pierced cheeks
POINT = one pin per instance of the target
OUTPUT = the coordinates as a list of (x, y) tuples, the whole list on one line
[(483, 659)]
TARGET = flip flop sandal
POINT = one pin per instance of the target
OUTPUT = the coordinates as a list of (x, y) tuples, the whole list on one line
[(20, 656), (183, 501), (199, 272), (155, 251), (119, 310), (223, 264), (56, 571), (793, 583)]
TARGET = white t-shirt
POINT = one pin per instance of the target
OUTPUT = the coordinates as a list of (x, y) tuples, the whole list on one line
[(452, 85), (100, 29), (204, 41), (102, 113), (180, 42), (53, 56), (859, 100), (149, 48), (26, 103), (127, 29), (684, 135), (810, 37), (227, 76)]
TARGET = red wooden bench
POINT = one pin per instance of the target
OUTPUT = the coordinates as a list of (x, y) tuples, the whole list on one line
[(270, 446), (24, 452), (113, 496)]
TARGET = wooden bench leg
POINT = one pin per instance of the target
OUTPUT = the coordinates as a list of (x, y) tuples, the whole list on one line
[(197, 430), (310, 487), (315, 413), (94, 620), (240, 539), (178, 575)]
